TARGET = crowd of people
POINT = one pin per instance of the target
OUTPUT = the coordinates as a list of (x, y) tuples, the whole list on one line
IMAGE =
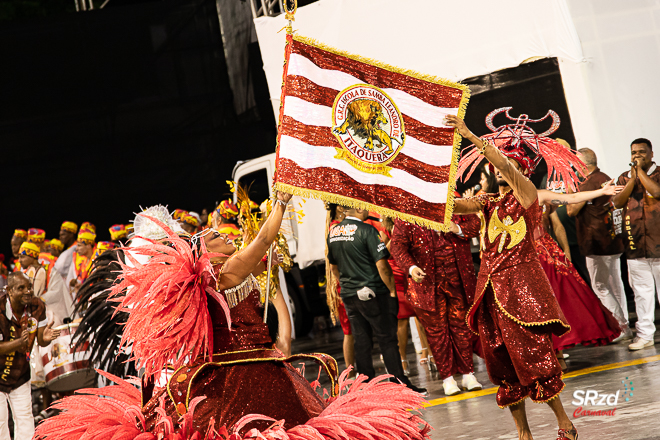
[(528, 293), (534, 288)]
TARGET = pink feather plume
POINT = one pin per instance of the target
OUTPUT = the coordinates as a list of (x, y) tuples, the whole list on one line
[(373, 410), (114, 412), (166, 298)]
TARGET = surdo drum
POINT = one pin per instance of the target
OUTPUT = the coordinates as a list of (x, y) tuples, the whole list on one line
[(66, 370)]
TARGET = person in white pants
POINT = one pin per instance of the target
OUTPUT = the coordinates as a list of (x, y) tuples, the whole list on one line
[(20, 400), (640, 199), (22, 320), (598, 241)]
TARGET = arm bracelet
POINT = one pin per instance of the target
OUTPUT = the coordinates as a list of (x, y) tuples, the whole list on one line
[(484, 143)]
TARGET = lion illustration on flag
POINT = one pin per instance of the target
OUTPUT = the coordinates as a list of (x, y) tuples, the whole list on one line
[(364, 118)]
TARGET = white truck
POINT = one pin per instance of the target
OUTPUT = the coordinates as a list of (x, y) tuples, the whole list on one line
[(304, 286)]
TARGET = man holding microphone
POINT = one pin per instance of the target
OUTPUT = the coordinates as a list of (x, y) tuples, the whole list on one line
[(640, 199)]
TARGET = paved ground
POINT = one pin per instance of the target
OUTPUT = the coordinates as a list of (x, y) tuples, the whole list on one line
[(475, 415)]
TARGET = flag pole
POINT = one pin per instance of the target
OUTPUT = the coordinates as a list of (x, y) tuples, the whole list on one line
[(289, 14)]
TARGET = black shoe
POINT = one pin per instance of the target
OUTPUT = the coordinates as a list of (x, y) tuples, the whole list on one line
[(409, 384), (421, 391)]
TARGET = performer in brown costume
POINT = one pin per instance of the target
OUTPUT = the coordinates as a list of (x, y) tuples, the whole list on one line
[(441, 268), (514, 310)]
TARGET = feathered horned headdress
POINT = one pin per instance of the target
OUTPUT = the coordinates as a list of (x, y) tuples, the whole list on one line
[(518, 140)]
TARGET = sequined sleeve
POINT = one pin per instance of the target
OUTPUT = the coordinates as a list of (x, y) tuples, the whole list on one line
[(400, 246), (470, 205), (470, 225)]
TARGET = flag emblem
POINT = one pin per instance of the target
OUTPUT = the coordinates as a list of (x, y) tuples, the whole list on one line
[(369, 128)]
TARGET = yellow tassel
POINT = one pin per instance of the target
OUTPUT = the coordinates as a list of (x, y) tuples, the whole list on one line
[(354, 203)]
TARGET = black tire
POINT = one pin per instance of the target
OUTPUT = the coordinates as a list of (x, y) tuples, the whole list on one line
[(302, 318)]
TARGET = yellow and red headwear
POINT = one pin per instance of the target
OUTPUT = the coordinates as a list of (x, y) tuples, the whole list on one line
[(69, 227), (179, 213), (190, 220), (129, 228), (36, 236), (227, 209), (29, 249), (56, 244), (87, 236), (89, 226), (20, 233), (117, 232), (230, 229), (103, 246)]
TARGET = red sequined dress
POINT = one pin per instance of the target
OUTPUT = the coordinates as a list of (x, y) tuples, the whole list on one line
[(510, 265), (245, 372), (514, 310), (591, 323)]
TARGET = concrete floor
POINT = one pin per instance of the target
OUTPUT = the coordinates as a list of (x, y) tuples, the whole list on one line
[(475, 415)]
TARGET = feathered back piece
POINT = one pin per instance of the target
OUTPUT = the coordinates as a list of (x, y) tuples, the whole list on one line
[(169, 321), (518, 140), (100, 325)]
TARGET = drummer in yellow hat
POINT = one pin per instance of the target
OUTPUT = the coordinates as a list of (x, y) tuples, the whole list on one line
[(56, 247), (224, 217), (36, 236), (179, 213), (82, 258), (118, 232), (189, 223), (68, 232), (28, 254), (102, 247), (20, 235)]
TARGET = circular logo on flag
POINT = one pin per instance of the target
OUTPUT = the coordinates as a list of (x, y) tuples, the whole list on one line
[(369, 127)]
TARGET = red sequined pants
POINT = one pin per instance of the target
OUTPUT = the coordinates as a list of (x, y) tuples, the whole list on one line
[(520, 359), (448, 335)]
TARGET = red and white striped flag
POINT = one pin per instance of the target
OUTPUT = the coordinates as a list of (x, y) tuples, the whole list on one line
[(359, 133)]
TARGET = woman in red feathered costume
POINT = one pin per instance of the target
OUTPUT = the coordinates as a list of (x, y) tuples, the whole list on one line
[(226, 378)]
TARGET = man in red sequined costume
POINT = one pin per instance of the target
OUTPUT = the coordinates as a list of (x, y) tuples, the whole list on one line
[(514, 309), (440, 266)]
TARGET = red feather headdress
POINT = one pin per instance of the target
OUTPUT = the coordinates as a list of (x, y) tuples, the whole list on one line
[(166, 298), (511, 140)]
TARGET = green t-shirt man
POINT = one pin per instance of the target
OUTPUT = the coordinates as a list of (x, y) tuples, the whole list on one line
[(355, 247)]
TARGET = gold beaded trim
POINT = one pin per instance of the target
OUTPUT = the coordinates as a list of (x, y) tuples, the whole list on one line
[(238, 293)]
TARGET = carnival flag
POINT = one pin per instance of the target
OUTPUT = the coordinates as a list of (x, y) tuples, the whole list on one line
[(360, 133)]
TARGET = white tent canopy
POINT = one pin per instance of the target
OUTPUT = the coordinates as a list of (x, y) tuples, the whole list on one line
[(457, 40)]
